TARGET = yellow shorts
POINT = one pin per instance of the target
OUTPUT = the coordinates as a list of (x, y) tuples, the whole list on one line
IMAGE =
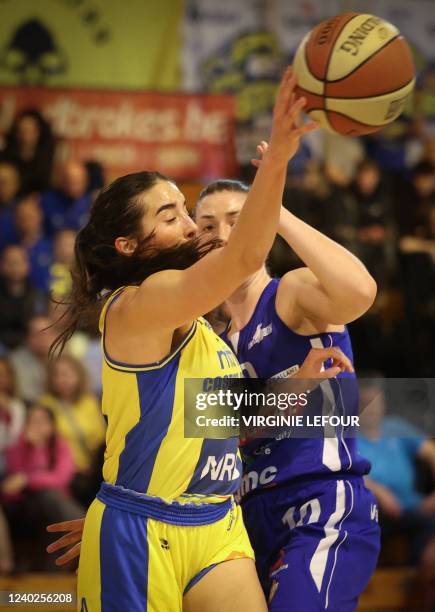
[(130, 562)]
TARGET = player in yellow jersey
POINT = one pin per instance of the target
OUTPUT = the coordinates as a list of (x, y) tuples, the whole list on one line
[(164, 522)]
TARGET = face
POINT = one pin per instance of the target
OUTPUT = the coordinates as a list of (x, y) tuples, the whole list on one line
[(6, 383), (74, 179), (39, 338), (28, 216), (64, 246), (14, 264), (166, 216), (368, 179), (425, 184), (65, 379), (217, 213), (9, 182), (28, 131), (39, 427)]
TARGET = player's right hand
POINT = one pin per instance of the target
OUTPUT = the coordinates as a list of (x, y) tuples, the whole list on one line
[(313, 365), (287, 126), (72, 538)]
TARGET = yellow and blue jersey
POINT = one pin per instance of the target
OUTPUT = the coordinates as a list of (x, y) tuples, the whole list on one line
[(144, 405), (165, 515)]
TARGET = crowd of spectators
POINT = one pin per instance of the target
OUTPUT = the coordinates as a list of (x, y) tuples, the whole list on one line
[(51, 428)]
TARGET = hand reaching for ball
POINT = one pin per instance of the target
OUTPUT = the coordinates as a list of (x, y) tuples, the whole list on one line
[(287, 125)]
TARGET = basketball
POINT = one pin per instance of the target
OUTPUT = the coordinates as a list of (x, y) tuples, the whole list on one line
[(356, 72)]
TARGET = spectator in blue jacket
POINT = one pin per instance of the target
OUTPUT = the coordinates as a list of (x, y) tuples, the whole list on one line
[(68, 207)]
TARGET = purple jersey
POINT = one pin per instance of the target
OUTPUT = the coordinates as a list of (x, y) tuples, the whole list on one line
[(267, 348)]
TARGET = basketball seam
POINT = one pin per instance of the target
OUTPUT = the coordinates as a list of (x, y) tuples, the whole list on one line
[(333, 46), (364, 62), (325, 110), (310, 68), (352, 119), (386, 93)]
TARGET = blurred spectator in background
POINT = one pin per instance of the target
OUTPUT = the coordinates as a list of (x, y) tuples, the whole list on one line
[(79, 420), (337, 211), (417, 259), (19, 300), (393, 445), (29, 225), (375, 239), (68, 206), (63, 259), (9, 189), (429, 151), (40, 468), (84, 344), (413, 200), (30, 360), (30, 145), (96, 176), (12, 410)]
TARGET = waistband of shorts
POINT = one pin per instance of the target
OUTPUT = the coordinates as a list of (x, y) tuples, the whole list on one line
[(152, 507), (294, 485)]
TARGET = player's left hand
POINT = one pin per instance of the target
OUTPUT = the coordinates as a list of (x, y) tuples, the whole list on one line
[(261, 150), (72, 538), (312, 367)]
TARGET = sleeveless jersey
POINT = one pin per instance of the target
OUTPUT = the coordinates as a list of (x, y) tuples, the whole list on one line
[(267, 348), (146, 450)]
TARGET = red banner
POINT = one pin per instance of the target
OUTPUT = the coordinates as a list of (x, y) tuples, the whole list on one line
[(184, 136)]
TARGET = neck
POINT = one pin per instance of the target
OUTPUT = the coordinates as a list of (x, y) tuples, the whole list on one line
[(241, 304), (16, 287), (29, 238)]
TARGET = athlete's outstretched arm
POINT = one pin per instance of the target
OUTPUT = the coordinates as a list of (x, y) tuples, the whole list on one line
[(334, 288), (171, 298)]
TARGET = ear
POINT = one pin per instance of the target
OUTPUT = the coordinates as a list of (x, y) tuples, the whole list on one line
[(125, 246)]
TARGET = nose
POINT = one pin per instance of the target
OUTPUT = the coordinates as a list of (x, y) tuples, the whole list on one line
[(190, 229), (223, 232)]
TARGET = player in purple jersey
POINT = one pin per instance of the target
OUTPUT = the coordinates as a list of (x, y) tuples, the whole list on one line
[(312, 522)]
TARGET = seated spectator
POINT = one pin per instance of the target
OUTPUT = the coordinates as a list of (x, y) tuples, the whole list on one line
[(9, 189), (40, 468), (84, 344), (375, 239), (96, 176), (429, 151), (63, 259), (30, 145), (68, 206), (393, 446), (414, 199), (19, 300), (30, 360), (11, 410), (78, 417), (424, 243), (417, 258), (29, 224)]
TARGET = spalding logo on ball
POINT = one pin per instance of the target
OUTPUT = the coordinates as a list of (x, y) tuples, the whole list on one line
[(356, 72)]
